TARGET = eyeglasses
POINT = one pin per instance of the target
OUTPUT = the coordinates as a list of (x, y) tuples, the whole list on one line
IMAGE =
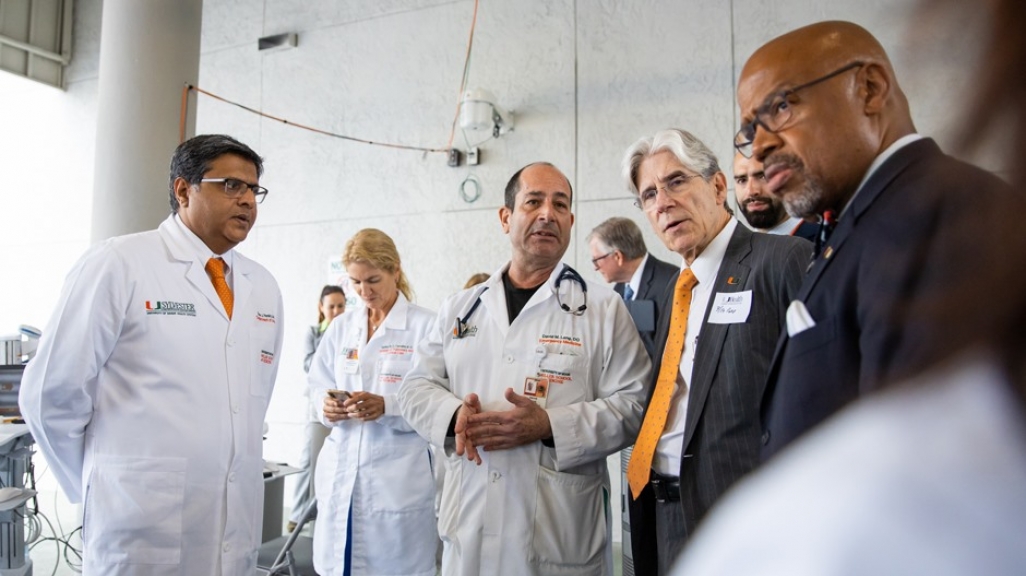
[(233, 188), (775, 113), (675, 186), (595, 261)]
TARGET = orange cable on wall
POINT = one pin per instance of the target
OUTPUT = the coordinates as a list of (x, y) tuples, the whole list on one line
[(303, 126)]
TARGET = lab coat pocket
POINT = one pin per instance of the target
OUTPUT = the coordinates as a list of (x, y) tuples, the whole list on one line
[(390, 374), (133, 510), (569, 519), (567, 376)]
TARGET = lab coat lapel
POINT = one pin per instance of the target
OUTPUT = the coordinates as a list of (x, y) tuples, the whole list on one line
[(494, 301), (243, 286), (179, 249)]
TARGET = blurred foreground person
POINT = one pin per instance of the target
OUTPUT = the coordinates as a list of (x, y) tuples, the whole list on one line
[(926, 478)]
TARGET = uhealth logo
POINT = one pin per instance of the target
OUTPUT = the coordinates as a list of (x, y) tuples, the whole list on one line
[(168, 308)]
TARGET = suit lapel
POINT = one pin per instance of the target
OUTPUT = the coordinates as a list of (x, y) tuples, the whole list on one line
[(876, 184), (732, 277), (874, 187), (646, 279)]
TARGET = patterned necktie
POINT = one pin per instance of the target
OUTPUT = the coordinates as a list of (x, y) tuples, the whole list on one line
[(640, 466), (628, 293), (215, 269)]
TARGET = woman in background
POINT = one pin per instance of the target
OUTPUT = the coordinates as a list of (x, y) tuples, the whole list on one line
[(375, 488), (331, 304)]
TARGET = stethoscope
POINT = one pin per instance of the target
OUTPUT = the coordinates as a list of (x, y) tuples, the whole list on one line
[(568, 273)]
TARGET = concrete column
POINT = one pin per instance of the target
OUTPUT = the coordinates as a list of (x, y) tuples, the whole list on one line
[(148, 50)]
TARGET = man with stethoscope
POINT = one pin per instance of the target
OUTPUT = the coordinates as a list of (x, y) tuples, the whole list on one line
[(528, 381)]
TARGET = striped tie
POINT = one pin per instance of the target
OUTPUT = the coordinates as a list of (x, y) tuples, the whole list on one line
[(215, 269), (640, 466)]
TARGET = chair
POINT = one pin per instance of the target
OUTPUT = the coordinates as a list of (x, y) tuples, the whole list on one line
[(291, 554)]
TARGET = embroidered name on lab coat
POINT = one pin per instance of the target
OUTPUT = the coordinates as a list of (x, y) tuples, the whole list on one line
[(168, 308)]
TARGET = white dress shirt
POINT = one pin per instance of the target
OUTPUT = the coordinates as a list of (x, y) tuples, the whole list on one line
[(705, 268), (635, 282)]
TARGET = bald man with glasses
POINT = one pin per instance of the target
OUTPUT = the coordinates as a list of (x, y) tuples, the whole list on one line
[(822, 111)]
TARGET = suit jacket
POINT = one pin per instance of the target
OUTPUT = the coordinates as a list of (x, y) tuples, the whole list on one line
[(722, 430), (655, 277), (806, 230), (885, 254)]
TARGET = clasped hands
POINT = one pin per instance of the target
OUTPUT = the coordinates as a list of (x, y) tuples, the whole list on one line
[(359, 406), (524, 423)]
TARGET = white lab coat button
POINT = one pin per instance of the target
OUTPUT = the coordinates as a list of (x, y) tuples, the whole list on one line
[(235, 409), (495, 476), (231, 342), (227, 547), (509, 359), (231, 477)]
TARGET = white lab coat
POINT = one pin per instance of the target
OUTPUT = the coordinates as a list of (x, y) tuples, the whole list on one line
[(381, 470), (531, 509), (149, 404)]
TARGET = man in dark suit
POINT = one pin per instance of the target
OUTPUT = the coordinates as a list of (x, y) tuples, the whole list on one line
[(618, 253), (822, 110), (701, 428), (762, 210)]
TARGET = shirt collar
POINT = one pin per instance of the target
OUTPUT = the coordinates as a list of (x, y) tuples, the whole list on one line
[(785, 227), (199, 249), (707, 264), (879, 160)]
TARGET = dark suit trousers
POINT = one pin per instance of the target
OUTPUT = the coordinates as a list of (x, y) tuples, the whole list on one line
[(670, 533)]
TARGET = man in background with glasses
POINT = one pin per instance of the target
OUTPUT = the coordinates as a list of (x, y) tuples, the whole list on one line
[(821, 109), (701, 427), (618, 253), (148, 393)]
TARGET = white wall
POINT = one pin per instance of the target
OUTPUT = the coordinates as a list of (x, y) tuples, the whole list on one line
[(585, 77)]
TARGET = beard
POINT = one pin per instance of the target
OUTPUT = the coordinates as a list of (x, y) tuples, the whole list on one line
[(764, 219), (805, 202)]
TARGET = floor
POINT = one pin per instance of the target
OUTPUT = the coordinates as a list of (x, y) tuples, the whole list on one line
[(53, 558)]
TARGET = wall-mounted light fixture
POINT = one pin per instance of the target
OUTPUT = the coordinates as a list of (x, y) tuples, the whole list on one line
[(479, 111)]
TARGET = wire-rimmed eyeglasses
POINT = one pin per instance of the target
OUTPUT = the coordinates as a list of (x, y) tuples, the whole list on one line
[(775, 113), (674, 186)]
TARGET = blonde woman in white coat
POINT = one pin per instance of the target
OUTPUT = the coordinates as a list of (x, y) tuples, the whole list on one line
[(374, 483)]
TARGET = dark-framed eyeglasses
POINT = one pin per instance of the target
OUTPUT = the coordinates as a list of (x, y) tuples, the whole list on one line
[(777, 110), (233, 187), (673, 187), (595, 261)]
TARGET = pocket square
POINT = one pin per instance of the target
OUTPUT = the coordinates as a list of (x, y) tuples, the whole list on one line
[(798, 318)]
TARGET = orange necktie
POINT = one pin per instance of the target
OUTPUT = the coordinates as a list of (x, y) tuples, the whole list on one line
[(215, 269), (640, 466)]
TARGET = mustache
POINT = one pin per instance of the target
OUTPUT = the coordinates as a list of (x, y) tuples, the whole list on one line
[(544, 227), (784, 160)]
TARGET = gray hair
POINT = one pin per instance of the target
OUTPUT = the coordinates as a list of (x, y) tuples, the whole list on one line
[(690, 152), (621, 234)]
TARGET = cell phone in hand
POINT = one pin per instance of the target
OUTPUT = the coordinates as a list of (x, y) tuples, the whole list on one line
[(340, 395)]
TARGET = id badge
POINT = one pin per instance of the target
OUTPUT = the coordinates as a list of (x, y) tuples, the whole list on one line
[(537, 389), (352, 361)]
